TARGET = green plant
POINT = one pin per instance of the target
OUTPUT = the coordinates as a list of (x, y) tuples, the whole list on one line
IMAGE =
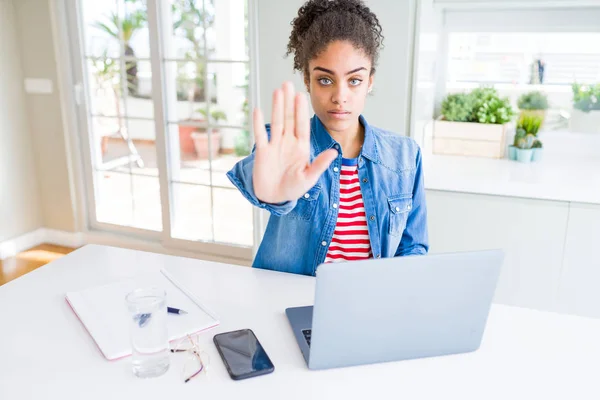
[(128, 25), (489, 108), (526, 142), (520, 134), (243, 144), (457, 107), (123, 29), (482, 105), (106, 72), (533, 101), (216, 115), (537, 144), (530, 123), (586, 97)]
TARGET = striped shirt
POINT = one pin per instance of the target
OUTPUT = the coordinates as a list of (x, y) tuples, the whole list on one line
[(350, 238)]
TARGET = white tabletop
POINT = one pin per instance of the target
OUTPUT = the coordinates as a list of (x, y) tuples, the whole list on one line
[(568, 171), (553, 178), (46, 353)]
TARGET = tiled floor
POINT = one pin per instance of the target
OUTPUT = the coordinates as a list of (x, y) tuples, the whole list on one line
[(29, 260)]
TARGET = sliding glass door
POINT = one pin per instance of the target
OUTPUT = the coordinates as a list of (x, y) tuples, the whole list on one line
[(165, 89)]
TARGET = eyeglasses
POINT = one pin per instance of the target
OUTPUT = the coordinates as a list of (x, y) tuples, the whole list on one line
[(196, 361)]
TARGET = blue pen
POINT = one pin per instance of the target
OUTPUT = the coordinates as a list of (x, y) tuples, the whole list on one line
[(173, 310)]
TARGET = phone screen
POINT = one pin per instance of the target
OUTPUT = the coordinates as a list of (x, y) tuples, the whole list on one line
[(243, 354)]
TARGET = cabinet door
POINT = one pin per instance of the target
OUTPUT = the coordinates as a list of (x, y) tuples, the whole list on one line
[(531, 232), (579, 291)]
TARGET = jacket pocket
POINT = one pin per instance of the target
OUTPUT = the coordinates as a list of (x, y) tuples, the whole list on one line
[(400, 207), (306, 204)]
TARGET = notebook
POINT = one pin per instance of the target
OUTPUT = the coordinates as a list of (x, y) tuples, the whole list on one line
[(103, 311)]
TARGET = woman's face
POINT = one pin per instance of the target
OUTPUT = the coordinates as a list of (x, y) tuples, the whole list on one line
[(338, 81)]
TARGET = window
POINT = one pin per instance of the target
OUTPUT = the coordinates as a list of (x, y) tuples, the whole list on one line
[(511, 62), (509, 57), (166, 114)]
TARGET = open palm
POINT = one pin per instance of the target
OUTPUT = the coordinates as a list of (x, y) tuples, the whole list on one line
[(282, 168)]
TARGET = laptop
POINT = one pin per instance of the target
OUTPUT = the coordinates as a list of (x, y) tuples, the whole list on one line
[(392, 309)]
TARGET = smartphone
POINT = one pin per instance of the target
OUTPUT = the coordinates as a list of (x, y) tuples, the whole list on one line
[(243, 355)]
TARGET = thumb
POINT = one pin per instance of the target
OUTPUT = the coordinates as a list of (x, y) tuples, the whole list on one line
[(320, 164)]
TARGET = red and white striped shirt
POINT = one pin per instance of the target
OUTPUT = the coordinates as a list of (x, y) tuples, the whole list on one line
[(351, 237)]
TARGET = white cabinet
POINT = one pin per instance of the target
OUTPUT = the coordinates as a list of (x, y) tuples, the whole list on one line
[(531, 232), (579, 291)]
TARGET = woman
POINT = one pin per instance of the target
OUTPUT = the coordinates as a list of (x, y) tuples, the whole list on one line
[(337, 188)]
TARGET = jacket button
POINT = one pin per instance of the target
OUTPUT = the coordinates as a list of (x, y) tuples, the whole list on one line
[(335, 169), (365, 180), (306, 196), (397, 209), (323, 243), (378, 255), (372, 218)]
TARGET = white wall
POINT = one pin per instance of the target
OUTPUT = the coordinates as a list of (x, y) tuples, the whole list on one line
[(36, 49), (388, 107), (19, 194)]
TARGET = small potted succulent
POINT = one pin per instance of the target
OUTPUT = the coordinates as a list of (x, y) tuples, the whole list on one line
[(512, 149), (524, 146), (528, 127), (533, 103), (537, 148)]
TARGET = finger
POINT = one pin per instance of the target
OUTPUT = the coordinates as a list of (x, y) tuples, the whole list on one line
[(319, 165), (288, 94), (277, 116), (260, 133), (302, 120)]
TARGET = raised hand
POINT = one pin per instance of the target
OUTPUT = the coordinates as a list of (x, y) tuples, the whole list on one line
[(282, 169)]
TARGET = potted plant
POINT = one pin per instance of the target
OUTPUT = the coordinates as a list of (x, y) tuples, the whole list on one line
[(473, 124), (537, 148), (524, 150), (512, 149), (200, 136), (528, 127), (533, 103), (586, 109)]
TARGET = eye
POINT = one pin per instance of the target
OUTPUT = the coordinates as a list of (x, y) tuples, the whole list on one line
[(355, 81), (325, 81)]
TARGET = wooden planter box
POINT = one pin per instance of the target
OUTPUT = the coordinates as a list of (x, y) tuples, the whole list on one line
[(470, 139), (585, 122)]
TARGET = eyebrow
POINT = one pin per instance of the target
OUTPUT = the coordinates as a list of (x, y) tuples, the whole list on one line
[(332, 73)]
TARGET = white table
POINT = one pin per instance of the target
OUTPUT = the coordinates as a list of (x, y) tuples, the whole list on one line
[(46, 353)]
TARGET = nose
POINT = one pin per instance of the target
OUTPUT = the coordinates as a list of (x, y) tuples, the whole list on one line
[(340, 95)]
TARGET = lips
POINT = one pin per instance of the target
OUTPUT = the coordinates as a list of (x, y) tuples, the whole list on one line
[(338, 113)]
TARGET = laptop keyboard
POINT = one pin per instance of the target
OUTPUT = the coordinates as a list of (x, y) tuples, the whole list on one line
[(307, 334)]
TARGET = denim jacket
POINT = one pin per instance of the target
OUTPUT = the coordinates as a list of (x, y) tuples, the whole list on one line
[(391, 181)]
